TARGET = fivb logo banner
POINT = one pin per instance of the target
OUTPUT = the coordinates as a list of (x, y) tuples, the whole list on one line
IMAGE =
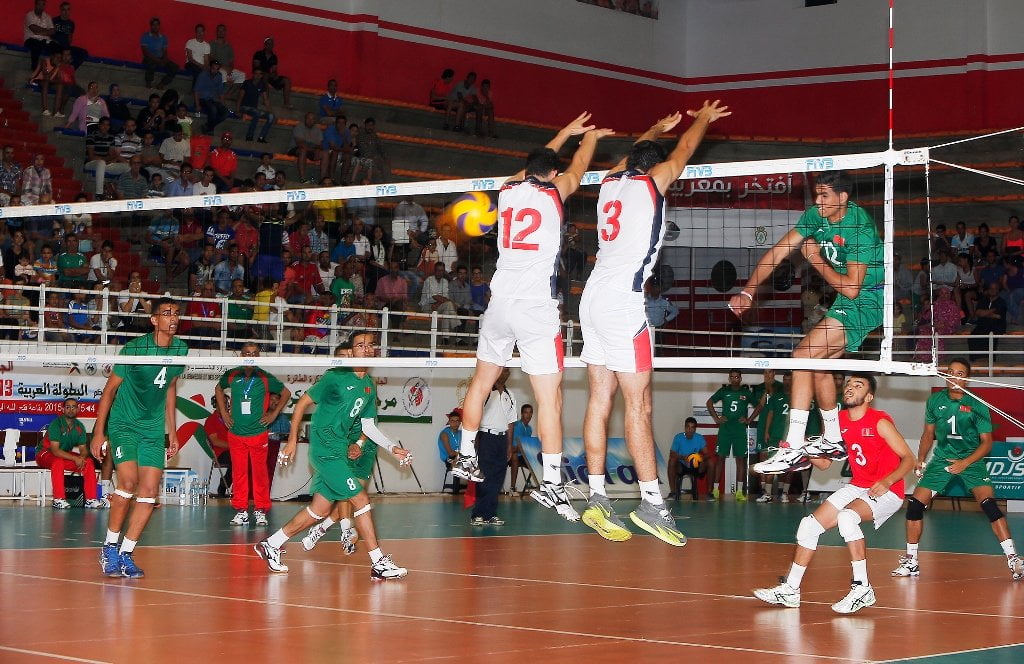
[(620, 475)]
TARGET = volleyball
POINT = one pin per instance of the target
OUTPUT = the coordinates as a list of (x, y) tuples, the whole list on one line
[(695, 460), (474, 213)]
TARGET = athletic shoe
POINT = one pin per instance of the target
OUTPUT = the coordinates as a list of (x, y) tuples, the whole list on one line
[(1016, 566), (47, 113), (805, 497), (819, 448), (600, 516), (109, 561), (785, 498), (240, 519), (741, 497), (261, 518), (349, 537), (658, 522), (860, 596), (58, 114), (313, 536), (766, 498), (271, 554), (786, 459), (477, 521), (467, 468), (553, 496), (908, 567), (128, 567), (105, 503), (495, 521), (95, 504), (61, 504), (385, 569), (781, 595)]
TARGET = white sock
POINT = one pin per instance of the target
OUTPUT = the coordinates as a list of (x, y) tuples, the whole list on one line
[(785, 489), (327, 523), (797, 427), (596, 483), (912, 550), (552, 467), (651, 492), (112, 537), (376, 555), (127, 545), (796, 575), (278, 539), (1008, 548), (345, 523), (860, 572), (468, 445), (830, 422)]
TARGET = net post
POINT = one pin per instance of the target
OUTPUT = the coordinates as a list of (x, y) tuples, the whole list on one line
[(280, 333), (385, 320), (433, 333), (889, 235), (105, 316), (224, 327), (41, 318), (333, 336), (569, 334)]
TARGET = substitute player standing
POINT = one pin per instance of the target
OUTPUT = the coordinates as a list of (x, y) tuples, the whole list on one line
[(962, 427), (617, 343), (879, 458), (523, 310), (840, 240), (137, 413), (736, 399)]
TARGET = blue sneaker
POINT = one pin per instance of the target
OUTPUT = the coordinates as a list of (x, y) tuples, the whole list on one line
[(129, 568), (109, 561)]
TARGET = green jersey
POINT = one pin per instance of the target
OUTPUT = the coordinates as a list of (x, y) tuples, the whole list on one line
[(68, 432), (239, 309), (342, 400), (756, 393), (250, 398), (735, 403), (778, 405), (854, 239), (959, 424), (65, 261), (140, 402), (343, 291)]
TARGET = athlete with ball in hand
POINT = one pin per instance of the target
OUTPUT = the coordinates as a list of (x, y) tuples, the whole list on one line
[(523, 309)]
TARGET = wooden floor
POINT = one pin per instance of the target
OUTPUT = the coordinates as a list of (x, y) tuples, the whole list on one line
[(540, 591)]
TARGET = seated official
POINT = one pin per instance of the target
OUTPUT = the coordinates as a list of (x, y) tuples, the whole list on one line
[(448, 442), (686, 458), (63, 447)]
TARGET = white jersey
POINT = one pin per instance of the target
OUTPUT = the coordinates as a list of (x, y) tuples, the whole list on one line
[(529, 240), (630, 229)]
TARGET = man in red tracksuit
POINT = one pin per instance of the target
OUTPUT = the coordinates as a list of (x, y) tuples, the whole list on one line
[(63, 448)]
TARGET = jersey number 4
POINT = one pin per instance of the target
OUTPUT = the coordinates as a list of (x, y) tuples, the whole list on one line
[(527, 216), (161, 378), (610, 223)]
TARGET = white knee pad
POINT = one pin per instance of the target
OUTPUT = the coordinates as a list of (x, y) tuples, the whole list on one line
[(808, 532), (362, 510), (849, 525), (314, 514), (149, 501), (124, 494)]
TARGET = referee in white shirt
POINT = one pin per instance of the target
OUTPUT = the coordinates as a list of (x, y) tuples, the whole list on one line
[(494, 446)]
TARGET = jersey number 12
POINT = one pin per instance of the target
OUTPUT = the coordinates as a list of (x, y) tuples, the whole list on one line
[(527, 216)]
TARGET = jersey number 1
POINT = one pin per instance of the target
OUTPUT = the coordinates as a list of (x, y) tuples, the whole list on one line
[(532, 219)]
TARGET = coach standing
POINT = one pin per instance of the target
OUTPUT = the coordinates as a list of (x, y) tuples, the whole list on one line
[(494, 448)]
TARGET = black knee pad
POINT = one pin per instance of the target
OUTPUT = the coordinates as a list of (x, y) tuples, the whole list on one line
[(991, 509), (915, 509)]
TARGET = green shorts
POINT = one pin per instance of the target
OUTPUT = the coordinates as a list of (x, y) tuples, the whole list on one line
[(860, 316), (129, 446), (938, 479), (732, 437), (332, 476), (362, 466)]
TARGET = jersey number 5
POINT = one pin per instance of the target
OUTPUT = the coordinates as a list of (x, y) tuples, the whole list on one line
[(610, 224), (531, 218)]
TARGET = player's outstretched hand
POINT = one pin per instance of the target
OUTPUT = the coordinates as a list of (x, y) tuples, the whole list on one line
[(579, 125), (668, 123), (403, 455), (597, 134), (740, 303), (711, 111)]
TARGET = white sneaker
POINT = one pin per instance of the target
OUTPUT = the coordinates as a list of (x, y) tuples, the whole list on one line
[(785, 498), (765, 498), (61, 504), (95, 504), (58, 114), (805, 497), (908, 567), (819, 448), (385, 569), (47, 113), (349, 537), (1016, 566), (785, 460), (859, 597), (781, 595), (240, 519), (271, 554), (313, 535), (467, 468), (553, 496), (261, 518)]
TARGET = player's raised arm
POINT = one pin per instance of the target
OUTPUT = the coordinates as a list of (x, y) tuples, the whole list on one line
[(99, 429), (669, 170), (663, 125), (569, 181), (848, 284), (743, 300), (574, 128)]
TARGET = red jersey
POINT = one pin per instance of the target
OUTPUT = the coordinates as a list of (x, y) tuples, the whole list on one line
[(870, 457)]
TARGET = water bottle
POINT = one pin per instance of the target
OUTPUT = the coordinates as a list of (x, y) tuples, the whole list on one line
[(181, 491)]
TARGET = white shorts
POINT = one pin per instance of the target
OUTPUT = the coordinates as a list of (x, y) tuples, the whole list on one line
[(615, 330), (532, 325), (881, 508), (236, 76)]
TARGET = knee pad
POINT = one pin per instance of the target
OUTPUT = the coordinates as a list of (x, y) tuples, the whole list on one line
[(991, 509), (314, 514), (849, 525), (362, 510), (148, 501), (124, 494), (915, 509), (808, 532)]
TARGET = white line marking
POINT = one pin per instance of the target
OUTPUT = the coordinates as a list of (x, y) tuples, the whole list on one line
[(40, 653)]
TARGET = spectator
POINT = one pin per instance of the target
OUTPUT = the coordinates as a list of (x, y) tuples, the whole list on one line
[(197, 53), (299, 238), (101, 155), (152, 117), (435, 297), (120, 112), (459, 92), (72, 265), (10, 175), (966, 291), (154, 56), (683, 445), (133, 184), (19, 310), (480, 290), (38, 32), (47, 73), (175, 151), (984, 242), (461, 297), (64, 34), (19, 248), (36, 183), (247, 239), (268, 308), (78, 320), (393, 291), (180, 186), (903, 280), (88, 109), (378, 257), (103, 266), (67, 86), (318, 239), (222, 51), (485, 111), (266, 167), (224, 161), (209, 96), (337, 144), (991, 317), (307, 275), (447, 251), (253, 96), (944, 271), (134, 306), (363, 208), (440, 90), (1012, 287), (362, 244), (331, 105), (266, 61), (660, 310), (345, 249), (573, 255), (200, 272), (326, 268), (64, 447), (341, 286), (221, 234), (371, 150), (229, 270), (492, 444), (941, 319), (1013, 241), (939, 241), (128, 142), (448, 443), (306, 141), (239, 311), (81, 225), (990, 271), (963, 242), (923, 283)]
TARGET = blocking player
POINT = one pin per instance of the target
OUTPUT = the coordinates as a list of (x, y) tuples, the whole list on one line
[(960, 428), (523, 310), (879, 459), (137, 413), (840, 240), (346, 408), (617, 343), (736, 399)]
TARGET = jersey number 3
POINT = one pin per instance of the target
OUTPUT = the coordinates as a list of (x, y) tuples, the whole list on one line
[(610, 224), (527, 216)]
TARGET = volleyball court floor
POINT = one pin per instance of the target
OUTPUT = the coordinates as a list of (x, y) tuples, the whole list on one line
[(535, 590)]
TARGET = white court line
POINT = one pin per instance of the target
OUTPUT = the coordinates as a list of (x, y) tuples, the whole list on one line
[(40, 653), (950, 653), (414, 618)]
